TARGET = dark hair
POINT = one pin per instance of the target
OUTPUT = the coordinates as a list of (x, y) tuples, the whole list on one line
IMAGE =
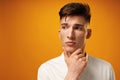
[(76, 9)]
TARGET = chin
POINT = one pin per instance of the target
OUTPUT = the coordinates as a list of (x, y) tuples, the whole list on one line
[(70, 49)]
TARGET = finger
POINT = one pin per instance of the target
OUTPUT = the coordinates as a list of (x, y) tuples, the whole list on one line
[(83, 58), (80, 59), (80, 55), (77, 52), (85, 62)]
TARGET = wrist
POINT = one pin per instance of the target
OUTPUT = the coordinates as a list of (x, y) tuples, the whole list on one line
[(71, 76)]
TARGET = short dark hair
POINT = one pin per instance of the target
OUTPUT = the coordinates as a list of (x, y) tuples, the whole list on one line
[(76, 9)]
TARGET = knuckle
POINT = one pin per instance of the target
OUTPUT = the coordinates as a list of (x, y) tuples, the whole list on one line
[(76, 57), (84, 57)]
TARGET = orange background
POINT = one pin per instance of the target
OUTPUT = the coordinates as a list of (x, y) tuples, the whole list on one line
[(29, 35)]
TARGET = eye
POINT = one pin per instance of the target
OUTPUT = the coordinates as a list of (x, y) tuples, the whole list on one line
[(64, 27), (78, 28)]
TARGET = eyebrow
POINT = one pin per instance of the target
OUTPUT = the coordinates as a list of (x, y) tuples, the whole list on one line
[(74, 24), (64, 24), (78, 24)]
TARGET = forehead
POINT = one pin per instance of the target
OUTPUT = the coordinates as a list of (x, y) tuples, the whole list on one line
[(73, 20)]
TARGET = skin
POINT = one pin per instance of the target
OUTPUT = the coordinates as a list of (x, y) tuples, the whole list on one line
[(73, 33)]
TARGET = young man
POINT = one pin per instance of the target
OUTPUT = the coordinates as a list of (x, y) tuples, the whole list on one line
[(74, 63)]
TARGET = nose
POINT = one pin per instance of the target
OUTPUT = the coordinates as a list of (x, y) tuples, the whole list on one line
[(70, 34)]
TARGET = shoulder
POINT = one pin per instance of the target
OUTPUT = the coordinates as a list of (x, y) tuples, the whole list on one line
[(51, 66), (101, 67), (99, 62), (52, 62), (44, 69)]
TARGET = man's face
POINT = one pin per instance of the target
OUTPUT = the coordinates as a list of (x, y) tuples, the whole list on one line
[(73, 32)]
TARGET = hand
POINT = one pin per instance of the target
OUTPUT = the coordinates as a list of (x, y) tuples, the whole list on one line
[(76, 63)]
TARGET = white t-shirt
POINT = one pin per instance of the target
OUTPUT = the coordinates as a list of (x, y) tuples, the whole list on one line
[(56, 69)]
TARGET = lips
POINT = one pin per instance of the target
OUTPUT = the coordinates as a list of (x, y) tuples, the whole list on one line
[(70, 43)]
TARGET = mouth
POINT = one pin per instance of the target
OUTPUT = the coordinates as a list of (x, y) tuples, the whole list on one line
[(70, 43)]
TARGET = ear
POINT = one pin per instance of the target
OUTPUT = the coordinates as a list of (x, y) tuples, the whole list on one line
[(89, 32), (59, 33)]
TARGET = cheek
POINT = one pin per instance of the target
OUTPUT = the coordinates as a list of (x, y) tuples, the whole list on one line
[(62, 37), (81, 38)]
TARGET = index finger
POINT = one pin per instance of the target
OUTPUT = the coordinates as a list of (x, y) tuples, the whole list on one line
[(77, 52)]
